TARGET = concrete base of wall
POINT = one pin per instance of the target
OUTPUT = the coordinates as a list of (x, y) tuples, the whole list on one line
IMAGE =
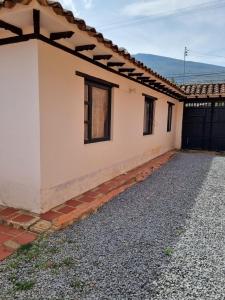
[(59, 194)]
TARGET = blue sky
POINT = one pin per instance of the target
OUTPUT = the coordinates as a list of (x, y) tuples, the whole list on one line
[(162, 27)]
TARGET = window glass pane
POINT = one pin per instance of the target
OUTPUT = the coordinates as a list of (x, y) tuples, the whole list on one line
[(86, 92), (85, 112), (146, 117), (169, 121), (151, 117), (171, 111), (85, 131), (99, 112)]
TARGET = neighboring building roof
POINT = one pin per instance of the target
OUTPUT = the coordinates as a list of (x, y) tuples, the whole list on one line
[(204, 90), (59, 10)]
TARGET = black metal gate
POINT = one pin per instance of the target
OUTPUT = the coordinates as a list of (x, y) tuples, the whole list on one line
[(204, 125)]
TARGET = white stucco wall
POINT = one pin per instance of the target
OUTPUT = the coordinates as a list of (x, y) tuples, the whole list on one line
[(43, 158), (19, 127), (68, 166)]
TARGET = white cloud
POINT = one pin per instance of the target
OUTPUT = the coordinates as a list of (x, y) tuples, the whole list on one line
[(88, 3), (159, 8), (70, 5)]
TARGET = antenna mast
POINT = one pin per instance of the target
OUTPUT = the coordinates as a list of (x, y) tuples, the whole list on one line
[(185, 55)]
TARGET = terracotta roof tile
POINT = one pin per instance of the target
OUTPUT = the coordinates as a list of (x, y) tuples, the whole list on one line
[(210, 89)]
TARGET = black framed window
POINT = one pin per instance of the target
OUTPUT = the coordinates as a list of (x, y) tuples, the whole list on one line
[(148, 116), (170, 116), (97, 112)]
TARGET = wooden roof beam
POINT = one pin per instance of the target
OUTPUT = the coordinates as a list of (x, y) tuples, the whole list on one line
[(151, 81), (126, 70), (102, 57), (115, 64), (157, 84), (171, 92), (61, 35), (85, 47), (10, 27), (135, 74), (36, 21), (144, 78), (166, 89)]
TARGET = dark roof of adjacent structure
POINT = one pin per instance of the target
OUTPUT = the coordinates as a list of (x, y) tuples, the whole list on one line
[(204, 90), (59, 10)]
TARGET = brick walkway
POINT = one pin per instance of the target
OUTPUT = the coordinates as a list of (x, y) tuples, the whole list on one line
[(18, 227), (11, 239)]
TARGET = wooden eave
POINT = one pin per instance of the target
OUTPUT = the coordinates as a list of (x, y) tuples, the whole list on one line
[(111, 59)]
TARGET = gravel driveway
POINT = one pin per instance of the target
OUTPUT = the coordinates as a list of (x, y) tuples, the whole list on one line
[(162, 239)]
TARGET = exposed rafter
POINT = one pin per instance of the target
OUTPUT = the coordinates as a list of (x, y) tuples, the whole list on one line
[(170, 92), (16, 39), (143, 78), (59, 10), (166, 89), (10, 27), (115, 64), (36, 21), (61, 35), (158, 84), (135, 74), (85, 47), (176, 94), (146, 82), (151, 81), (126, 70), (102, 57), (162, 88)]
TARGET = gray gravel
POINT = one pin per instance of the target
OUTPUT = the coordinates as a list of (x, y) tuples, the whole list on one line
[(197, 268), (162, 239)]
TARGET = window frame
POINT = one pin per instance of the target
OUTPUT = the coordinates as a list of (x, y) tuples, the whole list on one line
[(150, 101), (88, 102), (170, 116)]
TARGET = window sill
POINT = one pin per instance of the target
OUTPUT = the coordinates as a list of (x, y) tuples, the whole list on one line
[(97, 141)]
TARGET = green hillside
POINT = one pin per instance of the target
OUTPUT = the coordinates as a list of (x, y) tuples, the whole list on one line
[(173, 69)]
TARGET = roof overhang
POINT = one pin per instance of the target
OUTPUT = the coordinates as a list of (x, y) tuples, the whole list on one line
[(49, 22), (203, 91)]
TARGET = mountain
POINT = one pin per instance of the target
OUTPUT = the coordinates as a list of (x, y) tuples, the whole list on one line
[(173, 69)]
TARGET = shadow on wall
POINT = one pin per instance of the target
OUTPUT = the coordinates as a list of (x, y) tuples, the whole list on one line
[(129, 239)]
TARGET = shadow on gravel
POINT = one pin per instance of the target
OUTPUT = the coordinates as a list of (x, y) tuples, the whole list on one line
[(125, 244), (118, 252)]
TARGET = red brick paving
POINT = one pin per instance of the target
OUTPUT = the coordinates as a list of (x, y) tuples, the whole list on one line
[(25, 238), (19, 236), (4, 237), (72, 210), (8, 211), (73, 202), (5, 252), (9, 217), (10, 230), (87, 198), (23, 218), (50, 215), (66, 209)]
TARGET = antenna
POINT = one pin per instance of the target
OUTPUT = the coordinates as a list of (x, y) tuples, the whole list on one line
[(185, 55)]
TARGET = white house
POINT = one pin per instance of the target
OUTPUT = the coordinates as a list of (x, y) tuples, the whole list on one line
[(75, 109)]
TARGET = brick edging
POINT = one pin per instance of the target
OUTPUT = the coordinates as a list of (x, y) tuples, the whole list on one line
[(82, 206)]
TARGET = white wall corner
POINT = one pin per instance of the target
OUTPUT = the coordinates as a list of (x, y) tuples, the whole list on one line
[(19, 126)]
